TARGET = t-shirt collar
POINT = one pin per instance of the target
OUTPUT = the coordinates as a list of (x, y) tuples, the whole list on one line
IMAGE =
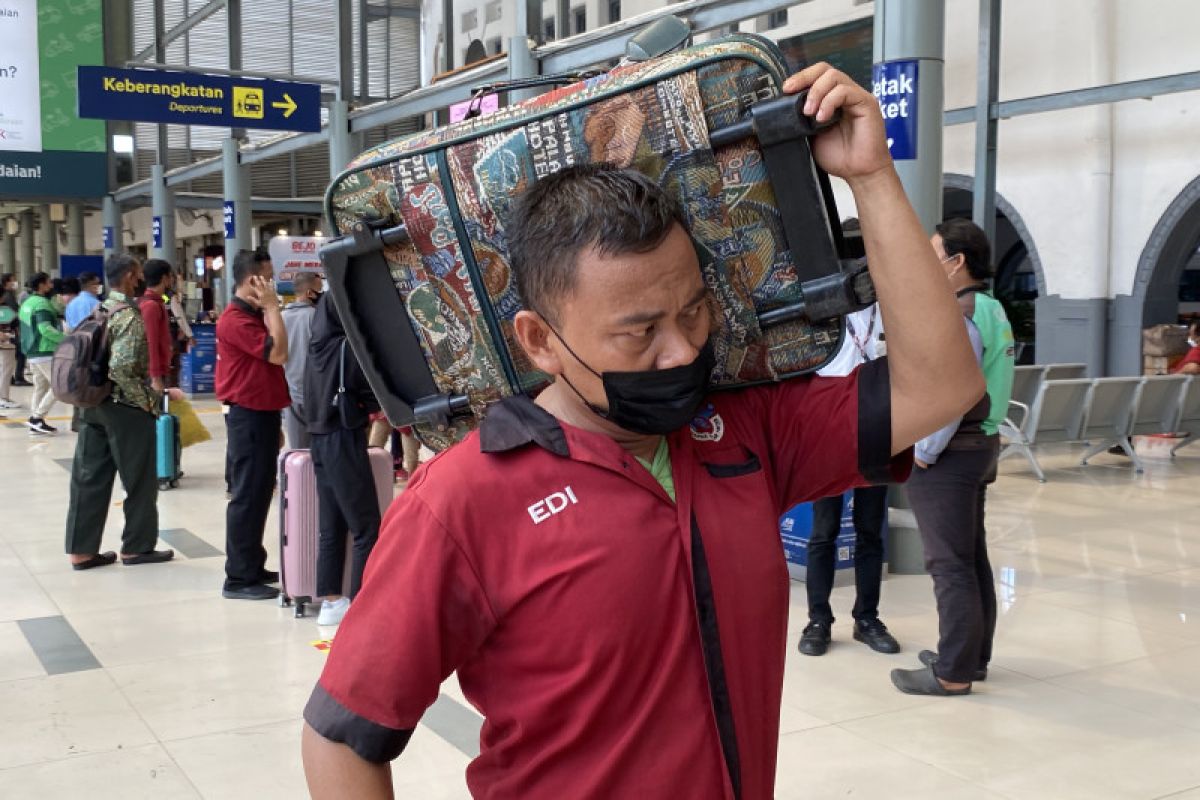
[(244, 306), (517, 421)]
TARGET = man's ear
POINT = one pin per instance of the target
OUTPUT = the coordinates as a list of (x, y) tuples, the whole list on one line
[(534, 335)]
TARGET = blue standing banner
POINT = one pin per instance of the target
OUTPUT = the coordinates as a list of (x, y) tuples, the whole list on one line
[(895, 86), (186, 98)]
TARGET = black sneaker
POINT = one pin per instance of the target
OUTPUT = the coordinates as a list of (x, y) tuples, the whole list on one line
[(255, 592), (815, 639), (874, 634), (41, 427)]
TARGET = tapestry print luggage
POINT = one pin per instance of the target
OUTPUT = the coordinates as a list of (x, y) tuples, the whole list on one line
[(298, 521), (423, 239)]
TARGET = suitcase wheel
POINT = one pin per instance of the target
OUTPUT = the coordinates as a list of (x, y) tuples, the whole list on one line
[(163, 485), (300, 606), (175, 484), (284, 600)]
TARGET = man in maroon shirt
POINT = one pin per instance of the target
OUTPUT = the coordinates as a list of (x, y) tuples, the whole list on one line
[(153, 306), (251, 352), (1190, 363), (601, 565)]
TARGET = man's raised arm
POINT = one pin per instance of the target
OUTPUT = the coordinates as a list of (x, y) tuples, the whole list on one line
[(934, 376)]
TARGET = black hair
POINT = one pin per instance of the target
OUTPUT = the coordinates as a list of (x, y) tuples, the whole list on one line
[(963, 236), (155, 270), (36, 280), (246, 264), (613, 210), (117, 266), (70, 286), (88, 278)]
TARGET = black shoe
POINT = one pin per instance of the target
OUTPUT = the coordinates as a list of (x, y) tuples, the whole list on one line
[(21, 382), (254, 592), (874, 634), (40, 426), (815, 639), (929, 658), (268, 576), (152, 557), (923, 681)]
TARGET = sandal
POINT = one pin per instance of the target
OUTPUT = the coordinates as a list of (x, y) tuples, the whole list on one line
[(98, 560)]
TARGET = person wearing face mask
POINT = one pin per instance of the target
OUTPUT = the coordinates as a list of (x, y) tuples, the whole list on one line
[(601, 563), (948, 489), (1190, 363), (82, 306), (298, 319), (41, 331)]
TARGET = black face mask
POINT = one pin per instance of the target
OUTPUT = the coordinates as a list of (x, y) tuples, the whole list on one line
[(653, 402), (140, 289)]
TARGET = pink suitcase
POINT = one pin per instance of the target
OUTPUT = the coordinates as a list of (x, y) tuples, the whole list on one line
[(298, 521)]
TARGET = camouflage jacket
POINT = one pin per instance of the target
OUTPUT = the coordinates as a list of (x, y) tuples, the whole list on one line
[(129, 357)]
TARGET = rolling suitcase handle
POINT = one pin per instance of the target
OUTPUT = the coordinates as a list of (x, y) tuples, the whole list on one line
[(372, 310)]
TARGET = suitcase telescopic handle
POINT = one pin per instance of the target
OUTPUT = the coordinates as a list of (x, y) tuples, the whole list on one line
[(379, 330), (829, 286)]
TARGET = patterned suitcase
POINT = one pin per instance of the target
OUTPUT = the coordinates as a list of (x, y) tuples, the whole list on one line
[(420, 274), (298, 521)]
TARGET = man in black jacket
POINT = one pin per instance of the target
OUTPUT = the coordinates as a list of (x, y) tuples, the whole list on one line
[(338, 406)]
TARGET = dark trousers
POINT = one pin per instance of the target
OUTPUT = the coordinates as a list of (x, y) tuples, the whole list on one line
[(948, 501), (347, 503), (251, 458), (870, 509), (19, 375), (113, 439)]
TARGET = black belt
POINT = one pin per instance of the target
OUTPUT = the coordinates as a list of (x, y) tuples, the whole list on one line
[(972, 441)]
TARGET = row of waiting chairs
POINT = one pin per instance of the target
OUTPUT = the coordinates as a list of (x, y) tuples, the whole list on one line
[(1056, 404)]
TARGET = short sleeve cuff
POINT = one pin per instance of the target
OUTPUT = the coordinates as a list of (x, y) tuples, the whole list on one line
[(371, 741), (268, 345), (875, 460)]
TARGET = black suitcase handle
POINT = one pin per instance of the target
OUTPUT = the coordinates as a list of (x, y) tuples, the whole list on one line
[(379, 331)]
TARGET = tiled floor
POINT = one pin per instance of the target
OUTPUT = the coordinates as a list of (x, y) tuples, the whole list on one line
[(1093, 693)]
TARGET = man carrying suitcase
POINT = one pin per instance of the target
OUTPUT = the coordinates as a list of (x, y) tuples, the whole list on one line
[(601, 565), (252, 348)]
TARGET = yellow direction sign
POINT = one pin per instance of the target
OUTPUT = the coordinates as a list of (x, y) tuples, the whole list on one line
[(288, 105)]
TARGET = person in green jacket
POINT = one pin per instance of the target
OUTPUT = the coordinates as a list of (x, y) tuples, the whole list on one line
[(41, 331)]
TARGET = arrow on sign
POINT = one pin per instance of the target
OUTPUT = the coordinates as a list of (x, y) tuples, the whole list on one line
[(288, 105)]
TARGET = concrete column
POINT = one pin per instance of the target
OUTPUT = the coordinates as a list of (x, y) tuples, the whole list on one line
[(341, 142), (25, 250), (237, 193), (75, 229), (915, 29), (48, 241), (111, 214), (162, 203), (521, 64), (8, 248)]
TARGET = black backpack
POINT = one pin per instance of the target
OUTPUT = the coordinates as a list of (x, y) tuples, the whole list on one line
[(79, 371)]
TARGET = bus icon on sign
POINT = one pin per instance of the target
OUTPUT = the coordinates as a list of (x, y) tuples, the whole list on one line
[(247, 102)]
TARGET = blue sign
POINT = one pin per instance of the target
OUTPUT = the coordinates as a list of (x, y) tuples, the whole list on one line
[(186, 98), (895, 86), (795, 529), (156, 230), (230, 223), (109, 237)]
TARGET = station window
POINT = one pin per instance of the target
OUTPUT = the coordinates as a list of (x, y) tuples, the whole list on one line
[(579, 17), (614, 11), (777, 19), (494, 46), (548, 28)]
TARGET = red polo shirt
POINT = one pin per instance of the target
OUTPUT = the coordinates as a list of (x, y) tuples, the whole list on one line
[(1191, 357), (618, 644), (158, 332), (245, 375)]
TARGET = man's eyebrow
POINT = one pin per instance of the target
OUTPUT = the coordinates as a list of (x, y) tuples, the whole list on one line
[(646, 317)]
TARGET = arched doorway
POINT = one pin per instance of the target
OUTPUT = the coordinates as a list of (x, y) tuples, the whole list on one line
[(1163, 284), (1019, 279)]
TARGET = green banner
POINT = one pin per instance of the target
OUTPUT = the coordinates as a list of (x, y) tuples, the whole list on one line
[(70, 33)]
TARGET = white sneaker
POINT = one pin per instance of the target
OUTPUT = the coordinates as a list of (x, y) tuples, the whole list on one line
[(332, 611), (8, 404)]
